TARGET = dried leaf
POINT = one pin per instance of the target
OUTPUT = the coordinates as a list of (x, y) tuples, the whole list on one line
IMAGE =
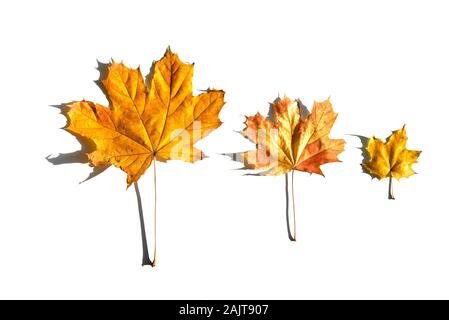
[(158, 121), (390, 158), (287, 141)]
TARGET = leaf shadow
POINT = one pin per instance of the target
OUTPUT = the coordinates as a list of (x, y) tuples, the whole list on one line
[(365, 155), (87, 145), (79, 156), (146, 258), (287, 216), (103, 71), (150, 76)]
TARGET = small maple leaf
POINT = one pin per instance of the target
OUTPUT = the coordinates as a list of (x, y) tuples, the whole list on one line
[(286, 141), (158, 121), (391, 159)]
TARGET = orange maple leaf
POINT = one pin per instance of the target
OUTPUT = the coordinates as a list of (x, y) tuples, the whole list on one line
[(286, 141), (289, 140), (160, 120)]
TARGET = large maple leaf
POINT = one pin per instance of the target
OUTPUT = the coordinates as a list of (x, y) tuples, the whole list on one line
[(286, 141), (160, 120), (391, 159)]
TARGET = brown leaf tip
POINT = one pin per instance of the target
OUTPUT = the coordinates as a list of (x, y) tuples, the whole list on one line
[(281, 105), (168, 50)]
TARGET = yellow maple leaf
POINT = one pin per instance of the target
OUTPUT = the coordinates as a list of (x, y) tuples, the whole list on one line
[(391, 159), (286, 141), (160, 120)]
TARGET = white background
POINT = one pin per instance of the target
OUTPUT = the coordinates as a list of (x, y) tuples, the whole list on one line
[(221, 234)]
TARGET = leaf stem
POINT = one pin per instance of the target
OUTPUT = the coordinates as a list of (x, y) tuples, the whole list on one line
[(390, 187), (289, 193), (153, 264)]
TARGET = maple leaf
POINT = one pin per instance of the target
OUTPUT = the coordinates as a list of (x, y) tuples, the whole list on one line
[(391, 159), (286, 141), (160, 120)]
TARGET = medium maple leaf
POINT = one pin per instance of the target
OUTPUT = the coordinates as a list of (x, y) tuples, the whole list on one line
[(285, 141), (159, 121), (391, 159), (288, 140)]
